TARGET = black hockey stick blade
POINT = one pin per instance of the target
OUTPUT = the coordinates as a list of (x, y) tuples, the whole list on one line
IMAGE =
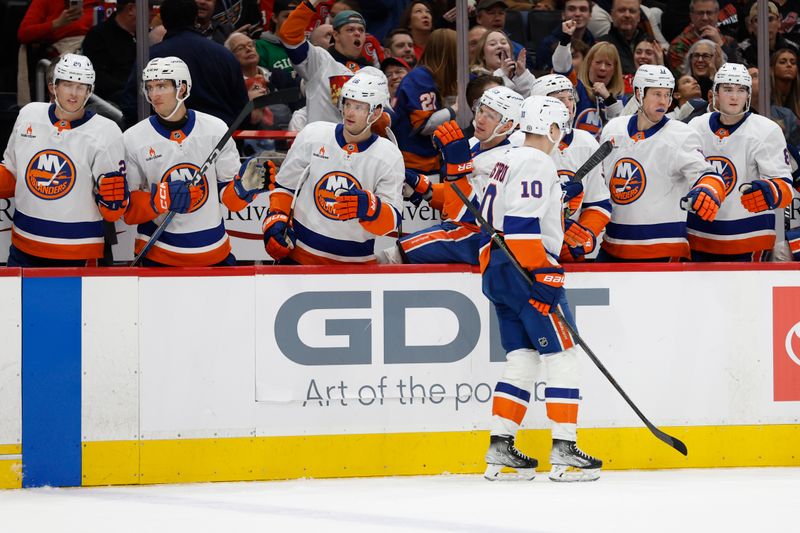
[(284, 96), (595, 159), (489, 230)]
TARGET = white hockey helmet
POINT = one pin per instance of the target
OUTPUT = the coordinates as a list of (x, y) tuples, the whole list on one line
[(167, 68), (368, 85), (74, 67), (505, 102), (538, 113), (554, 83), (735, 74), (651, 76)]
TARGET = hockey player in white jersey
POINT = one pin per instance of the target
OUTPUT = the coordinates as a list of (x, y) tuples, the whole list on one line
[(587, 200), (657, 172), (164, 153), (749, 152), (522, 201), (340, 185), (65, 168), (457, 239)]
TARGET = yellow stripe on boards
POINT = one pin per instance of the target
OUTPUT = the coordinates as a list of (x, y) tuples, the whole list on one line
[(10, 449), (10, 474), (321, 456)]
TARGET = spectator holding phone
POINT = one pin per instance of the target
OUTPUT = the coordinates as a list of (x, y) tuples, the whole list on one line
[(51, 21), (494, 55)]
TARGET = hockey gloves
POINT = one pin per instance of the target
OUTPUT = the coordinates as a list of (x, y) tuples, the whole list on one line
[(177, 196), (417, 187), (357, 203), (254, 177), (279, 236), (112, 191), (547, 288), (457, 158), (578, 240), (573, 195), (703, 199), (760, 195)]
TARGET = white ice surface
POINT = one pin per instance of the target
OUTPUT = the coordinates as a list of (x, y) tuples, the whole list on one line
[(678, 501)]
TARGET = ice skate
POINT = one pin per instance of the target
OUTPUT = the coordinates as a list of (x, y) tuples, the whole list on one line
[(502, 453), (570, 464)]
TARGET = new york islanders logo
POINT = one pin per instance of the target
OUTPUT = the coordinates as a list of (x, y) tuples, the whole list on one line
[(724, 167), (627, 181), (186, 172), (328, 186), (50, 175), (589, 120)]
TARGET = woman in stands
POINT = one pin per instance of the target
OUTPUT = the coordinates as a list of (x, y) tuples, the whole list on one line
[(702, 62), (418, 19), (494, 55), (785, 91)]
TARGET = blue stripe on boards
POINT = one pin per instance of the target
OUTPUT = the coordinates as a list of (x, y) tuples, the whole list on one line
[(51, 382)]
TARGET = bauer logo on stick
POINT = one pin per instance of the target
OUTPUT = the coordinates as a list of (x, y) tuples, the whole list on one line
[(50, 174), (627, 181), (328, 187), (186, 172), (724, 167)]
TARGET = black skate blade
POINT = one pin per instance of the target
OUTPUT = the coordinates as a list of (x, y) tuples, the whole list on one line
[(495, 473)]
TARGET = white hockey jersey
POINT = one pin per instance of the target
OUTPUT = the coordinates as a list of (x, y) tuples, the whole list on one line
[(154, 155), (522, 201), (647, 176), (334, 164), (56, 164), (752, 149)]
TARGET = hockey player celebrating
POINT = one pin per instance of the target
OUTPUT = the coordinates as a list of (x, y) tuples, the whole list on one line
[(749, 152), (164, 153), (457, 239), (523, 202), (657, 170), (65, 168), (587, 200), (339, 186)]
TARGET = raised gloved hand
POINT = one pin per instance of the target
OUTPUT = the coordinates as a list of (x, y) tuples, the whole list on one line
[(177, 196), (254, 177), (279, 236), (578, 239), (760, 195), (112, 191), (357, 203), (702, 199), (547, 288), (417, 187), (449, 140)]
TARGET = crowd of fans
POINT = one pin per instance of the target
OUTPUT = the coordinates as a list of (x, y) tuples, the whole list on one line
[(243, 50)]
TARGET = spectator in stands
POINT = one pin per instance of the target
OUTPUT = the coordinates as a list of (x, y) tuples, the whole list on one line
[(418, 19), (371, 50), (473, 38), (602, 19), (748, 48), (49, 22), (647, 52), (782, 116), (382, 16), (783, 68), (790, 19), (494, 56), (702, 62), (400, 44), (209, 27), (256, 78), (599, 82), (578, 10), (272, 54), (491, 14), (689, 101), (704, 17), (395, 70), (111, 47), (219, 90), (625, 31), (579, 51), (422, 102)]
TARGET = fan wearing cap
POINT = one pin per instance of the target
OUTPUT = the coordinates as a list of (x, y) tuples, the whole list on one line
[(340, 185), (656, 174), (324, 71), (395, 70), (749, 152), (165, 153), (65, 168)]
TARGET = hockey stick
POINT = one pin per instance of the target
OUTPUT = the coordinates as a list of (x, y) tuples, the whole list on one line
[(257, 103), (501, 244), (595, 159)]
